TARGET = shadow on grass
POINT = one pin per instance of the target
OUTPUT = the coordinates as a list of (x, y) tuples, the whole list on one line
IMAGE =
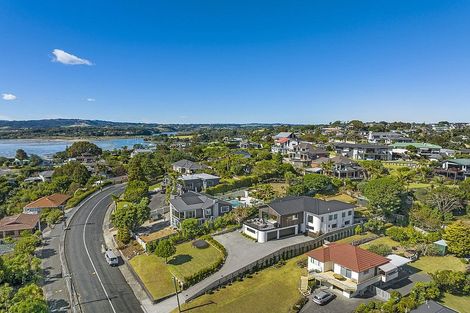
[(180, 259), (198, 306)]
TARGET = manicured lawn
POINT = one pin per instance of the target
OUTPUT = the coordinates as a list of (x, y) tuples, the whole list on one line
[(189, 260), (461, 304), (342, 197), (155, 186), (382, 240), (271, 290), (355, 237), (157, 276), (154, 274), (430, 264)]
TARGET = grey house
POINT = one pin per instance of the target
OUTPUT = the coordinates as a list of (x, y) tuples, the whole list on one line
[(364, 151), (196, 205), (187, 167), (198, 182)]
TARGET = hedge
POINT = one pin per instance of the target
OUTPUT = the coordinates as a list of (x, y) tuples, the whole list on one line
[(246, 181), (79, 197)]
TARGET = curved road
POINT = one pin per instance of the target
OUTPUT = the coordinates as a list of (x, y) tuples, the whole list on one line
[(100, 287)]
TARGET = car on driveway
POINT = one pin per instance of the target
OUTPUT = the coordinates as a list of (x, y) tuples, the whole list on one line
[(322, 297)]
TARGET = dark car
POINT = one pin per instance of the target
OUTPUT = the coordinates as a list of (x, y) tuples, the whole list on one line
[(322, 297)]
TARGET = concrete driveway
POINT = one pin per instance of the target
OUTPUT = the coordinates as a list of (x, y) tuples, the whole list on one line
[(340, 304)]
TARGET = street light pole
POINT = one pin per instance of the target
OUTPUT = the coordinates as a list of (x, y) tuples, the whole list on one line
[(176, 293)]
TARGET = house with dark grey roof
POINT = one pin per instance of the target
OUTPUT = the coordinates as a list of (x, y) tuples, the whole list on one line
[(339, 167), (455, 169), (293, 215), (187, 166), (196, 205), (432, 307), (198, 182)]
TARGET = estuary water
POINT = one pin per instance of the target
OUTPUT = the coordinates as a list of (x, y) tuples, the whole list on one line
[(48, 147)]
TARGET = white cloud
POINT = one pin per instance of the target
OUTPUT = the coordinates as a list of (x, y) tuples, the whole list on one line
[(66, 58), (90, 99), (8, 96)]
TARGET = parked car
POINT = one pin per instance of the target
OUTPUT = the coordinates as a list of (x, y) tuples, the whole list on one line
[(111, 258), (322, 297)]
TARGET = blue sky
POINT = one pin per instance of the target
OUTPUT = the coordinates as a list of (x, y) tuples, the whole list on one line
[(235, 61)]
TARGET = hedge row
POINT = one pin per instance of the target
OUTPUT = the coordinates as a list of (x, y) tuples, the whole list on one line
[(231, 184), (215, 243), (79, 197)]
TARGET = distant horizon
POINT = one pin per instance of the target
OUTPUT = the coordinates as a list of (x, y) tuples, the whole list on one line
[(234, 123)]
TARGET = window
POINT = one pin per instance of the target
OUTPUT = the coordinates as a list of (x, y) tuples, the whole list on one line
[(295, 217), (349, 213), (336, 216), (322, 219), (333, 225), (346, 223), (190, 214), (330, 217), (343, 214), (346, 272), (310, 218), (225, 209), (365, 272), (208, 211)]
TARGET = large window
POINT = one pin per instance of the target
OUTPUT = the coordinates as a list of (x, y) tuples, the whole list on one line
[(224, 209), (349, 213), (208, 212), (310, 218), (346, 272), (190, 214)]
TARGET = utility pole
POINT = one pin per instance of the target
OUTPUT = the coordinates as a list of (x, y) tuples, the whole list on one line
[(176, 293)]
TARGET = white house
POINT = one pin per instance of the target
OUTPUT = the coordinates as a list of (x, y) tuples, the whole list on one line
[(351, 269), (298, 214)]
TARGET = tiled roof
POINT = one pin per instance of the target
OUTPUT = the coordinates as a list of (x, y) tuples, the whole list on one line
[(19, 222), (283, 140), (51, 201), (349, 256)]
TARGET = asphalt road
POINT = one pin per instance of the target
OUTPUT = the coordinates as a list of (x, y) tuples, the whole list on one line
[(100, 287)]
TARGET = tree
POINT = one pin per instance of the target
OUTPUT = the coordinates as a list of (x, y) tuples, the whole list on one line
[(385, 195), (425, 217), (457, 236), (123, 235), (35, 160), (190, 228), (264, 192), (445, 199), (21, 154), (29, 299), (373, 168), (317, 183), (165, 249), (131, 216), (75, 171), (136, 190), (81, 147), (241, 213)]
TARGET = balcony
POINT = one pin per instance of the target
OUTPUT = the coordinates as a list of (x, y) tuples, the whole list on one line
[(346, 285)]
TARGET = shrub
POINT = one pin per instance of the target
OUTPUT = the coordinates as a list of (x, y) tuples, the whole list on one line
[(380, 249), (123, 235)]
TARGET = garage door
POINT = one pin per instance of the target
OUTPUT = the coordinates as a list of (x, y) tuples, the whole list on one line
[(272, 235), (287, 232)]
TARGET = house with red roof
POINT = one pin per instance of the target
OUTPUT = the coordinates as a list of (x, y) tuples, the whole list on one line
[(56, 200), (12, 226), (351, 269)]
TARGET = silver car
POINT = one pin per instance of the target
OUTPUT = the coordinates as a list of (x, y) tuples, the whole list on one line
[(322, 297)]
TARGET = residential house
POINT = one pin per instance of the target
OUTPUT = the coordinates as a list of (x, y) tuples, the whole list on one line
[(302, 154), (243, 153), (455, 168), (196, 205), (198, 182), (351, 269), (139, 151), (284, 135), (12, 226), (341, 167), (386, 137), (293, 215), (367, 151), (284, 145), (431, 306), (56, 200), (245, 144), (46, 176), (426, 150), (187, 166)]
